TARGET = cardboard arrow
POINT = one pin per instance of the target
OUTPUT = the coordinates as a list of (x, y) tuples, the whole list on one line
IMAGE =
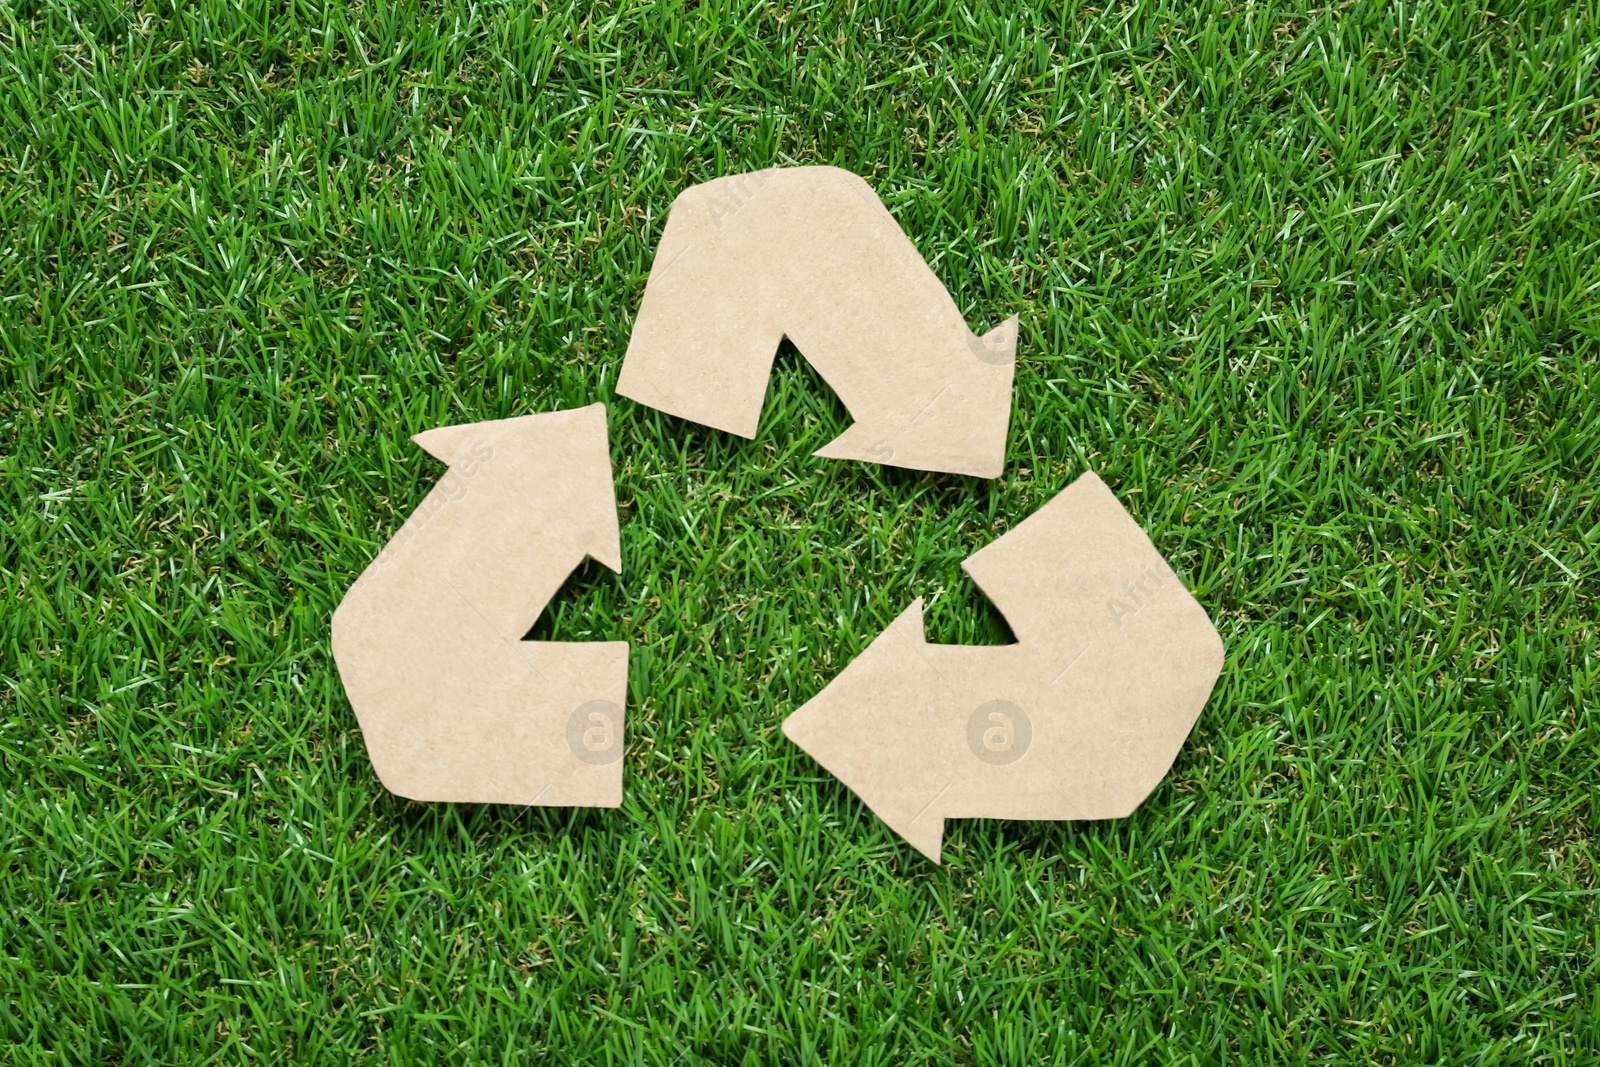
[(1079, 719), (453, 704), (811, 253)]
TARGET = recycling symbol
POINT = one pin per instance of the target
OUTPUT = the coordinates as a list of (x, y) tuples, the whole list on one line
[(1080, 718)]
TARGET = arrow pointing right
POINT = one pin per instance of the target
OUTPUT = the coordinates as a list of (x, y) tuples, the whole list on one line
[(811, 253), (1079, 719)]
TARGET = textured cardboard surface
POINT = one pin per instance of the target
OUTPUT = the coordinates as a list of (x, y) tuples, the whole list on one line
[(811, 253), (453, 704), (1079, 719)]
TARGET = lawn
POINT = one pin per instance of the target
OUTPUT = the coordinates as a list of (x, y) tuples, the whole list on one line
[(1315, 290)]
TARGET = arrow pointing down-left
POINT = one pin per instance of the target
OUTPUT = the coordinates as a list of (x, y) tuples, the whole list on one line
[(453, 704)]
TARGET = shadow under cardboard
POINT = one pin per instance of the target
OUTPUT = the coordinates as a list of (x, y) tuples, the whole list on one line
[(974, 841), (472, 822)]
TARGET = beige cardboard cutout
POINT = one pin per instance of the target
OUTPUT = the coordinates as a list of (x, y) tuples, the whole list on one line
[(453, 703), (1079, 719), (812, 254)]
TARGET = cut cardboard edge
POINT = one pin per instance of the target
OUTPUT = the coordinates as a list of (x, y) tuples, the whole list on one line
[(1162, 712), (399, 668)]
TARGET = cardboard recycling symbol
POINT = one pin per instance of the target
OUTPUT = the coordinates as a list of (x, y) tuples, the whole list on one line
[(1079, 719)]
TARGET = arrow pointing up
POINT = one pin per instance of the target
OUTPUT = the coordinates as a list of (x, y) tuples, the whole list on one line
[(453, 704), (812, 254), (1079, 719)]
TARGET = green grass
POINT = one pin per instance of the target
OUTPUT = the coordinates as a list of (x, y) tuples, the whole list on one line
[(1316, 291)]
